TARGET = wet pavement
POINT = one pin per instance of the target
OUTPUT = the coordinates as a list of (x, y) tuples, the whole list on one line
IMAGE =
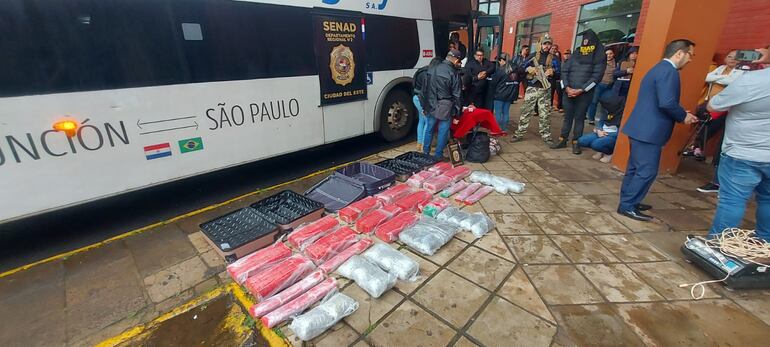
[(561, 269)]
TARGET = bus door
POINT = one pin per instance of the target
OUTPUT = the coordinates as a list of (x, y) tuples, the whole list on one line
[(339, 44), (488, 35)]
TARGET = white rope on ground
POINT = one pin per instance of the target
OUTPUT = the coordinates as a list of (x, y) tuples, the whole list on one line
[(737, 243)]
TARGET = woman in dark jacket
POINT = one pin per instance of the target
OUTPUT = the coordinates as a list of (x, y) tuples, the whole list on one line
[(506, 90)]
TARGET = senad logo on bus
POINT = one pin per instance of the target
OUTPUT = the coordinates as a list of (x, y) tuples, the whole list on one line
[(369, 4)]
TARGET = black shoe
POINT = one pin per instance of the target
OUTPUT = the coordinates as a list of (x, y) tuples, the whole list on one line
[(591, 122), (709, 188), (576, 149), (561, 144), (636, 215), (515, 139), (643, 207)]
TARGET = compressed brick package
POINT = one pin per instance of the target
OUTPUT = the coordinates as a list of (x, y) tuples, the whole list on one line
[(300, 303), (271, 281), (389, 230), (337, 260), (394, 193), (266, 306), (414, 201), (255, 262), (353, 211), (330, 245), (306, 234)]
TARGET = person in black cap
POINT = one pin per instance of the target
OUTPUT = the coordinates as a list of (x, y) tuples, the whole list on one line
[(442, 94), (579, 76), (538, 91)]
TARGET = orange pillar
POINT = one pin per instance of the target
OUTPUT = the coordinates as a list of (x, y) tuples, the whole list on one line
[(667, 20)]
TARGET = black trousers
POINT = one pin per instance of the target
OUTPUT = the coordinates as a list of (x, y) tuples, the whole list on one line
[(575, 114), (556, 89)]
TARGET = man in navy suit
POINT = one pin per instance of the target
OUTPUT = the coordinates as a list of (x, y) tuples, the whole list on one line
[(651, 124)]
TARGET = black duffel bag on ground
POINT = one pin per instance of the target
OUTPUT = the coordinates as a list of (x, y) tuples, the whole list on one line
[(478, 147)]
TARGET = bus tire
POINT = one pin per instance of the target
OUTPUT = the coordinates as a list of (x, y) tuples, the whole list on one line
[(397, 116)]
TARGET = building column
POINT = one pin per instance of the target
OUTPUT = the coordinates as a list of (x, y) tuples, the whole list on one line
[(667, 20)]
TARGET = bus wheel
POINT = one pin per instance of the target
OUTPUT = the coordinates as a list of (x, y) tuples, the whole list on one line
[(397, 116)]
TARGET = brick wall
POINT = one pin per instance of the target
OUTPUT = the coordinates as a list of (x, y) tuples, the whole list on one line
[(746, 27), (564, 14)]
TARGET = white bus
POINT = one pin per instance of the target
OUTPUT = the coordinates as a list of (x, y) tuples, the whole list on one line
[(161, 90)]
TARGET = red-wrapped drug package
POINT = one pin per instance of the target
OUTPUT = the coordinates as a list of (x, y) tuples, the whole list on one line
[(266, 306), (331, 244), (306, 234), (394, 193), (271, 281), (412, 201), (435, 184), (389, 230), (353, 211), (299, 303), (419, 178), (337, 260), (255, 262)]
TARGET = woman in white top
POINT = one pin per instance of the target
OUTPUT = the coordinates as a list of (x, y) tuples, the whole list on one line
[(722, 76), (717, 81)]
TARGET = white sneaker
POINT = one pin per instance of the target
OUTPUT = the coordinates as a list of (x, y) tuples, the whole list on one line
[(598, 155), (606, 159)]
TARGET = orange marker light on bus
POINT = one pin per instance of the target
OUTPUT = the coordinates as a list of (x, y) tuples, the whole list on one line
[(68, 126)]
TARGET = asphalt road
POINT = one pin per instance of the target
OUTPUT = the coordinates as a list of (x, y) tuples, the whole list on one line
[(39, 237)]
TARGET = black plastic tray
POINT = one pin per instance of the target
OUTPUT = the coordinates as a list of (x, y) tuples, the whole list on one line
[(236, 229), (418, 158), (374, 178), (336, 192), (286, 208), (402, 168)]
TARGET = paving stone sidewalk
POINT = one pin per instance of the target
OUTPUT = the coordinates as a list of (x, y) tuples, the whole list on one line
[(561, 269)]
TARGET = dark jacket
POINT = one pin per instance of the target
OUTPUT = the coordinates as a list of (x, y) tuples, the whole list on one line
[(614, 105), (657, 106), (420, 77), (503, 86), (443, 83), (585, 69), (479, 87), (530, 61)]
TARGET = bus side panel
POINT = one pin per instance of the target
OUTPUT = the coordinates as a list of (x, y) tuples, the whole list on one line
[(134, 138), (343, 121)]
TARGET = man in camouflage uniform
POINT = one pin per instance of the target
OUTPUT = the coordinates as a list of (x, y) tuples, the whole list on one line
[(536, 98)]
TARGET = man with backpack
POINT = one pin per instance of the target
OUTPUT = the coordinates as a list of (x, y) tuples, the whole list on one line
[(442, 93)]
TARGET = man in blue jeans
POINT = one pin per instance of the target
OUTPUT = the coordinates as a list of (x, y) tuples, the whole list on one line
[(603, 86), (442, 93), (744, 168)]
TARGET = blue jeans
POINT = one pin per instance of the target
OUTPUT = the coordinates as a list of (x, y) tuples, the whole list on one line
[(604, 144), (738, 179), (421, 119), (600, 89), (501, 113), (443, 135)]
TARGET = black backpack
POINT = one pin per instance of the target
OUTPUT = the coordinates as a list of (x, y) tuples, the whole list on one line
[(478, 147)]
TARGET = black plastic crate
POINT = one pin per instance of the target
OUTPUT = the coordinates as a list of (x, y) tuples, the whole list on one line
[(402, 168), (421, 159), (336, 192), (288, 209), (374, 178), (239, 233)]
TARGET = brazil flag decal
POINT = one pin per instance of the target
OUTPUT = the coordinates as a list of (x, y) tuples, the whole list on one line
[(191, 145)]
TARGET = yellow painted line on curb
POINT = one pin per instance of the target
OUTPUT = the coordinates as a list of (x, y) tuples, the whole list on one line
[(233, 288), (169, 221), (246, 301), (139, 329)]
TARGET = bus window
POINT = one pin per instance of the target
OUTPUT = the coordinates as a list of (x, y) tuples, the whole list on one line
[(390, 49)]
